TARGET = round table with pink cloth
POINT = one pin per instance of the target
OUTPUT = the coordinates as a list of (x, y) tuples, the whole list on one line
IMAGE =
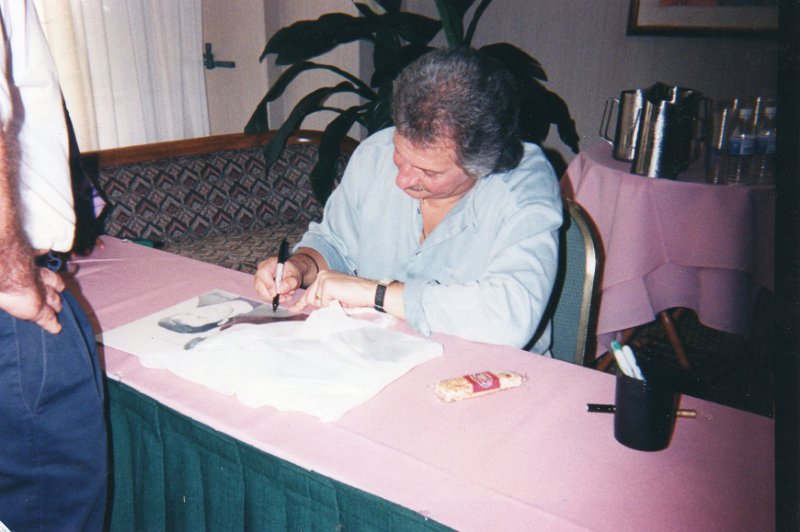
[(674, 243)]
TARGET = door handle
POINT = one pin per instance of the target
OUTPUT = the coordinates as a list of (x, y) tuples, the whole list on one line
[(211, 64)]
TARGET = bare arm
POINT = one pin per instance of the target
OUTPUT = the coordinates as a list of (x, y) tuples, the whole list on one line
[(26, 292), (351, 291)]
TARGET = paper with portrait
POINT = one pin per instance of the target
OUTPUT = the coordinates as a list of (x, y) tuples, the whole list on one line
[(187, 323)]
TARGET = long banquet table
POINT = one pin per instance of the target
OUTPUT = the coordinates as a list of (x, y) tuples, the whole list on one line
[(530, 458)]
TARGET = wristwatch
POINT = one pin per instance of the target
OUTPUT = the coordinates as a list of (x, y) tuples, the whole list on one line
[(380, 293)]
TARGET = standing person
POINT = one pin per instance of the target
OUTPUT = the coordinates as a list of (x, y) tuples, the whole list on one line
[(447, 220), (53, 444)]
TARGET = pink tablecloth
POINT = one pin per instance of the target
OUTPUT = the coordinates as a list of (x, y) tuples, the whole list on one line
[(530, 458), (670, 244)]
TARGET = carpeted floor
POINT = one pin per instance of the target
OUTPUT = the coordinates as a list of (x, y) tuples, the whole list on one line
[(725, 368)]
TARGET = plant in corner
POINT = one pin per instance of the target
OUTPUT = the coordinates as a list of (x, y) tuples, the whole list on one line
[(397, 38)]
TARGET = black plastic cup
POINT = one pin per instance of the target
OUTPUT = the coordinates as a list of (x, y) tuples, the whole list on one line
[(645, 414)]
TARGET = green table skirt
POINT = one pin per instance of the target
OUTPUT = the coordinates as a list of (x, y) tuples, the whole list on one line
[(173, 473)]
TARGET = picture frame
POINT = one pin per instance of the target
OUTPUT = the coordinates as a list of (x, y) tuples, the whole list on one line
[(743, 18)]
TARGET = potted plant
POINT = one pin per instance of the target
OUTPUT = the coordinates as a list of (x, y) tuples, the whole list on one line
[(398, 37)]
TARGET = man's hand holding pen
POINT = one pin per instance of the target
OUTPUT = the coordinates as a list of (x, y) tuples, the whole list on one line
[(308, 269), (298, 270), (283, 256)]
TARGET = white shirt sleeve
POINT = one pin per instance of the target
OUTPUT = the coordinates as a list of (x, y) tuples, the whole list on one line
[(31, 110)]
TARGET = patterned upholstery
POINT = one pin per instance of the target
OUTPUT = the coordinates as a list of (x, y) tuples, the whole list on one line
[(239, 251), (218, 207)]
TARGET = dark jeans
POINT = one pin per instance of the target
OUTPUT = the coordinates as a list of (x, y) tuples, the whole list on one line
[(53, 445)]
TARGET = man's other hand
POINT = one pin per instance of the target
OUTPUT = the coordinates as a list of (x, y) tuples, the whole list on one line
[(33, 294)]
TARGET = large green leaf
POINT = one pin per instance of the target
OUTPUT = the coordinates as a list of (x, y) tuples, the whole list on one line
[(473, 25), (384, 6), (323, 176), (259, 120), (295, 70), (390, 6), (410, 26), (379, 114), (452, 16), (520, 63), (385, 47), (310, 38), (365, 10), (391, 66), (309, 104), (540, 109)]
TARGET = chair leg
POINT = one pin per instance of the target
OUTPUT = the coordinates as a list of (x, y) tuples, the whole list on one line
[(604, 362), (674, 339)]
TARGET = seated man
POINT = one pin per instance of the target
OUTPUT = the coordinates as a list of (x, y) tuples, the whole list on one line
[(446, 220)]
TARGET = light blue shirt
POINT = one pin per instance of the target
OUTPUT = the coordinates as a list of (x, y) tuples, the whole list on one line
[(485, 273)]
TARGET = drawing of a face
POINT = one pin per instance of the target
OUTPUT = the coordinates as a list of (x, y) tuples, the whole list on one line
[(206, 317)]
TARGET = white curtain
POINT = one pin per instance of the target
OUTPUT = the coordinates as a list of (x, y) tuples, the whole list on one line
[(131, 70)]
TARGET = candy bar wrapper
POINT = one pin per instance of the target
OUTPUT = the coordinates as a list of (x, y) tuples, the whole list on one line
[(477, 384)]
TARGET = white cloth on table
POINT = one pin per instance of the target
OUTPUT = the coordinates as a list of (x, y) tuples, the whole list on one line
[(323, 366)]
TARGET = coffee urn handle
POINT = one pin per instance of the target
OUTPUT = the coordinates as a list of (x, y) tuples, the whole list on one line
[(608, 112)]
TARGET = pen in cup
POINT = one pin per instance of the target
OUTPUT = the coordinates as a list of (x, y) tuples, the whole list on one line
[(628, 352), (283, 256), (626, 361), (610, 409), (622, 362)]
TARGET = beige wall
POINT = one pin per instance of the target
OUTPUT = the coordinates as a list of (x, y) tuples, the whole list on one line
[(581, 44), (237, 31)]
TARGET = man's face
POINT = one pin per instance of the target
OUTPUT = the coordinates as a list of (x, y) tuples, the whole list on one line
[(430, 172)]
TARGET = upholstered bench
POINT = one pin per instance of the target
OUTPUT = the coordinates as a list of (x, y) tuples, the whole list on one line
[(210, 198)]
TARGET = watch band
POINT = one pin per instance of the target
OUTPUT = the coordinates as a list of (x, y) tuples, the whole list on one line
[(380, 293)]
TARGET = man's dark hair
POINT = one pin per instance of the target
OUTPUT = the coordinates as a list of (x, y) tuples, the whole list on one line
[(178, 326), (463, 96)]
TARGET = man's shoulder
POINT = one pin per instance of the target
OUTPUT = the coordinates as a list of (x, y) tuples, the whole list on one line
[(533, 178), (379, 140)]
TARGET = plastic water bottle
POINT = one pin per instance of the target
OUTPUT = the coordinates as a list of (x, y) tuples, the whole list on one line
[(765, 147), (741, 147)]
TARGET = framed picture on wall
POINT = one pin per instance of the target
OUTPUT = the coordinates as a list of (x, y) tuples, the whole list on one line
[(703, 17)]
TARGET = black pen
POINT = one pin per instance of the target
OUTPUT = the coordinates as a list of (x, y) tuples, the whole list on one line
[(283, 256), (610, 409)]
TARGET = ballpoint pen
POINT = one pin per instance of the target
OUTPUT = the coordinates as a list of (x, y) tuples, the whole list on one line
[(622, 362), (283, 256), (631, 358), (610, 409)]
